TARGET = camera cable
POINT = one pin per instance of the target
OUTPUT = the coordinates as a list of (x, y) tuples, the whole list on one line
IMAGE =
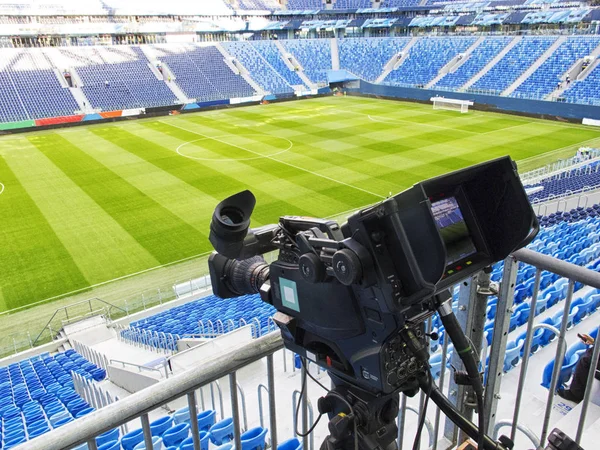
[(329, 393)]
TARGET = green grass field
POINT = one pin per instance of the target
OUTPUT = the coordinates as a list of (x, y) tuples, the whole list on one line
[(84, 205)]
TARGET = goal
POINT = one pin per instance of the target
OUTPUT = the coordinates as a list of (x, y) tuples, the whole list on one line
[(451, 104)]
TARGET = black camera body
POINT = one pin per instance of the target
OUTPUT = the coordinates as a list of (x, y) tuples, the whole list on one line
[(354, 298)]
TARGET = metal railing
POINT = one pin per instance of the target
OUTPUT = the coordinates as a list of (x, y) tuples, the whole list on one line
[(139, 404), (560, 168), (106, 308), (574, 274)]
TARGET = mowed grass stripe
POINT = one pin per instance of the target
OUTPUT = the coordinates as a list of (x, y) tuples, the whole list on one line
[(339, 191), (166, 237), (310, 202), (201, 176), (34, 262), (101, 248), (189, 204), (316, 149)]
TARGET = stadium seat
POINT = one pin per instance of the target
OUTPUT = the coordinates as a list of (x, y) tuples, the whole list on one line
[(222, 432), (254, 439)]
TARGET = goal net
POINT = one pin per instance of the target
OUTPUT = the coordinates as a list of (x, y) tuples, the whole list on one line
[(451, 104)]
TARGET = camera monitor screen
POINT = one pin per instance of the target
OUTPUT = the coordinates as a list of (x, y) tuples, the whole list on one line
[(453, 229)]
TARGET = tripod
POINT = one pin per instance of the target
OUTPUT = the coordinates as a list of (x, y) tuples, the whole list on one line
[(360, 420)]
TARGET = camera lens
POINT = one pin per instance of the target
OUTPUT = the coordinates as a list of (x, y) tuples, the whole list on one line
[(246, 276)]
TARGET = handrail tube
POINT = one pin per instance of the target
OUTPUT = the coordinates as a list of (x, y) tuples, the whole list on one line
[(427, 424), (142, 402), (138, 366), (558, 361), (562, 268), (588, 390), (522, 428), (401, 421), (438, 411), (260, 403), (272, 407), (244, 411)]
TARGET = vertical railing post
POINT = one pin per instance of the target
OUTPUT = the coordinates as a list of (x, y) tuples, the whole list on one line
[(191, 398), (304, 406), (438, 411), (498, 349), (558, 362), (147, 432), (588, 389), (526, 353), (272, 406), (401, 421), (235, 410)]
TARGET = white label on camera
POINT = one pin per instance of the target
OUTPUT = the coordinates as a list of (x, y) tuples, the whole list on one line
[(289, 294)]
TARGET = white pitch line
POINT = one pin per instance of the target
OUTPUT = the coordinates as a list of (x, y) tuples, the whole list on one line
[(93, 286), (1, 188), (232, 159), (281, 162), (566, 147)]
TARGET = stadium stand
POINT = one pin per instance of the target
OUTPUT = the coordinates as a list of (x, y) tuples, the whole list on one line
[(38, 395), (208, 316), (514, 63), (267, 5), (544, 80), (366, 57), (572, 181), (30, 88), (202, 74), (399, 3), (269, 51), (314, 55), (261, 70), (585, 91), (352, 4), (483, 54), (123, 77), (128, 83), (425, 60), (304, 4)]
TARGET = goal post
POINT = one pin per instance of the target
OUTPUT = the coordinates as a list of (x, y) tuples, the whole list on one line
[(451, 104)]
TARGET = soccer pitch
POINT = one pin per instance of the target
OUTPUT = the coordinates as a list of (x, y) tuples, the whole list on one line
[(84, 205)]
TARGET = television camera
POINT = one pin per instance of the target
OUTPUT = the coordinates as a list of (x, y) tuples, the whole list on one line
[(354, 298)]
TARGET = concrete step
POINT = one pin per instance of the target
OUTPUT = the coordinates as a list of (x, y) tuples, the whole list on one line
[(541, 60), (396, 60), (238, 68), (293, 64), (453, 65), (335, 55), (491, 64)]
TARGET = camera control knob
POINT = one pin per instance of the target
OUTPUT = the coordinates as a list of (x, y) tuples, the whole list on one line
[(346, 266), (311, 268), (392, 379)]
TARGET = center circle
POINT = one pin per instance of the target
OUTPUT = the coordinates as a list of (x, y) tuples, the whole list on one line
[(219, 139)]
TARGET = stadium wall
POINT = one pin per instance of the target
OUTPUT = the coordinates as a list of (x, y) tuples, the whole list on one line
[(534, 108)]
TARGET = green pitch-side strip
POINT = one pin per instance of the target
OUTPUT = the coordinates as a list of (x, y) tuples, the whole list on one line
[(34, 263), (352, 198), (100, 247), (15, 125), (199, 175), (166, 237)]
